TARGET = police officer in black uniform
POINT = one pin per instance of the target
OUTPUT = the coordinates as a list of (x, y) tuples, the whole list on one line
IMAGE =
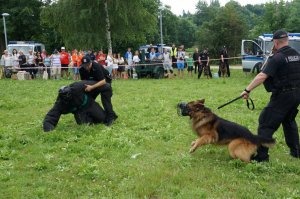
[(281, 76), (224, 60), (90, 70), (204, 63), (73, 99)]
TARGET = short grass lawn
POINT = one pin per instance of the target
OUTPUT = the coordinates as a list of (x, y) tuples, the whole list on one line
[(144, 154)]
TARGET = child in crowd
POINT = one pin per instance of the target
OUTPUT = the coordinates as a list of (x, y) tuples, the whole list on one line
[(136, 60), (47, 63), (189, 61), (180, 62)]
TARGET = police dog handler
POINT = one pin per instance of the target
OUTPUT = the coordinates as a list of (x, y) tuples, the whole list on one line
[(281, 76), (90, 70)]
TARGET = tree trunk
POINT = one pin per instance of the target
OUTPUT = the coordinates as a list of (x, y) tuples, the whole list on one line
[(108, 34)]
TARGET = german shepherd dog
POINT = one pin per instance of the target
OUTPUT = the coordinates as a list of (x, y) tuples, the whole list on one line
[(211, 129), (223, 69)]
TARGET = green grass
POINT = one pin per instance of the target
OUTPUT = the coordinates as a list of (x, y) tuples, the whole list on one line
[(95, 161)]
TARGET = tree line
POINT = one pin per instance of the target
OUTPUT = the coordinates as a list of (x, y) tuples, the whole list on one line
[(116, 25)]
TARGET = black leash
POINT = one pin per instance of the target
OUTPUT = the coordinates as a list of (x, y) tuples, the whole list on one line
[(250, 107)]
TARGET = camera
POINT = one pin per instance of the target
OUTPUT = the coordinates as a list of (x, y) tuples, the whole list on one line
[(183, 109)]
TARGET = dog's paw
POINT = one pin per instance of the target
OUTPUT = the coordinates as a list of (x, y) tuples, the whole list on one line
[(192, 150), (193, 143)]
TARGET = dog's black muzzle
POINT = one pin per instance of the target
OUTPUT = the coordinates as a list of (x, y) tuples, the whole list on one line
[(183, 109)]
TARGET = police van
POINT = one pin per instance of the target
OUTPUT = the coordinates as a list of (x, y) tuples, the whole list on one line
[(255, 52), (25, 46)]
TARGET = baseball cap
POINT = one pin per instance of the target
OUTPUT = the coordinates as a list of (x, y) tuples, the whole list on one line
[(63, 48), (85, 61), (279, 34)]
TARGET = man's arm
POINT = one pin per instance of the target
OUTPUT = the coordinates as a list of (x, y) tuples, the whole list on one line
[(89, 88), (258, 80)]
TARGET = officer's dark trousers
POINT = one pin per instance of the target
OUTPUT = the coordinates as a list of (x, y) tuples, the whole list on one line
[(227, 67), (282, 109), (201, 68), (106, 94)]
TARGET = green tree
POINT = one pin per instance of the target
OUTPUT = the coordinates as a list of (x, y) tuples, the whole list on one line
[(85, 24), (227, 28), (293, 21), (24, 20)]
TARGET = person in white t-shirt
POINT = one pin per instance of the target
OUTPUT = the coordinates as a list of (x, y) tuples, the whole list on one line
[(167, 61)]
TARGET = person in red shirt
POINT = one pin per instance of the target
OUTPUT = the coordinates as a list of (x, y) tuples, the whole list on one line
[(101, 57), (65, 60)]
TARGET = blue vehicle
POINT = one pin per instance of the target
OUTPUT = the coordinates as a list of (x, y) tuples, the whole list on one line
[(255, 52)]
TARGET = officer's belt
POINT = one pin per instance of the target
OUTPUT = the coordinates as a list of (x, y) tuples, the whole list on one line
[(286, 89)]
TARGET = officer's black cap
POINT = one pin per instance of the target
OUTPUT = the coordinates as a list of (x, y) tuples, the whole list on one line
[(86, 60), (279, 34)]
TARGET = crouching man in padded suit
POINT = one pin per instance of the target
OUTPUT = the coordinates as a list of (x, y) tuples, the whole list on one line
[(74, 99)]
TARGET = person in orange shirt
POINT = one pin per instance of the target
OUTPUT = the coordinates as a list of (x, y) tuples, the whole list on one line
[(64, 59), (75, 59)]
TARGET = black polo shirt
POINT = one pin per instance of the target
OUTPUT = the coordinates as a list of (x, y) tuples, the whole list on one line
[(196, 56), (224, 52), (204, 57), (96, 73), (275, 62)]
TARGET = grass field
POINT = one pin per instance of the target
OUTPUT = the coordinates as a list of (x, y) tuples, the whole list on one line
[(96, 161)]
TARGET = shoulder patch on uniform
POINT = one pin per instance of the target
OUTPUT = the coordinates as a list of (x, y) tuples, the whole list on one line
[(294, 58)]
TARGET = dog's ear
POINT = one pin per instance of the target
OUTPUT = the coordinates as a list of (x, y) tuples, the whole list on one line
[(199, 106), (201, 101)]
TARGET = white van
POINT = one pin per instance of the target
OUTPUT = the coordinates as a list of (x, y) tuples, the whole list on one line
[(254, 53), (25, 46)]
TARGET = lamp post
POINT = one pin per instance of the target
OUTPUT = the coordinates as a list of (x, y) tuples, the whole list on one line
[(4, 25), (161, 8)]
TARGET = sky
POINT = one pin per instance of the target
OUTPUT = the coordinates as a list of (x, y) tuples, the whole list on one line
[(177, 6)]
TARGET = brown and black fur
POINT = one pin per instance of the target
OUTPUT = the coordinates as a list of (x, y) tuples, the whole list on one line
[(223, 69), (211, 129)]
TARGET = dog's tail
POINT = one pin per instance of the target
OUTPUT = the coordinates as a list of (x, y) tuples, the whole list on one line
[(262, 141)]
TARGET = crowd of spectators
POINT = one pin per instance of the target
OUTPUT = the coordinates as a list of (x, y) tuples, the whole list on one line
[(64, 64)]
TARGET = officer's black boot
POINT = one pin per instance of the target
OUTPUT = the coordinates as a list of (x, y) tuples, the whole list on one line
[(295, 152), (262, 155)]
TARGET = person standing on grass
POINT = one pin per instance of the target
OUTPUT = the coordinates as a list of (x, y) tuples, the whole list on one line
[(190, 64), (196, 60), (204, 64), (75, 59), (65, 61), (224, 60), (281, 76), (55, 65), (167, 61), (180, 62), (6, 62), (136, 59), (128, 58), (90, 70), (173, 54)]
